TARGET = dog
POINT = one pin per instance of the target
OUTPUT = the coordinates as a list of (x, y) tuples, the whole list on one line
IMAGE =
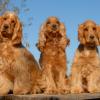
[(18, 68), (86, 65), (52, 44)]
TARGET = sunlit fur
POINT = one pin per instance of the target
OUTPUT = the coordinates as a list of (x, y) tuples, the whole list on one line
[(52, 44), (85, 72), (18, 68)]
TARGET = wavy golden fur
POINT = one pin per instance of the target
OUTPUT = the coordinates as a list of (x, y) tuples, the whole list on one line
[(52, 44), (18, 68), (85, 72)]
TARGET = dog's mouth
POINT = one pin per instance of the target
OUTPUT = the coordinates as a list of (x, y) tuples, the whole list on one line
[(54, 28), (54, 31), (55, 35), (91, 43), (6, 34)]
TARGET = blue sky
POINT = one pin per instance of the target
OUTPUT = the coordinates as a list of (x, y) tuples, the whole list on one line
[(71, 12)]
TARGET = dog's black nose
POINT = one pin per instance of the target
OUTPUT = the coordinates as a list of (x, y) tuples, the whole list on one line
[(54, 26), (6, 26), (91, 37)]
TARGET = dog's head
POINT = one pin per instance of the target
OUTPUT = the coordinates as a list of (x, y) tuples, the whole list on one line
[(51, 29), (52, 25), (88, 33), (10, 28)]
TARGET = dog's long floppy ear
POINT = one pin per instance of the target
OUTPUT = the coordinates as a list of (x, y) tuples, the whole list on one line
[(17, 36), (42, 39), (64, 40), (98, 33), (0, 20), (0, 28), (81, 37)]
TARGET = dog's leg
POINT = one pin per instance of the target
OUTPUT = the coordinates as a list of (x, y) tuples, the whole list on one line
[(94, 82), (5, 84), (62, 86), (51, 86), (76, 81), (76, 84), (22, 83)]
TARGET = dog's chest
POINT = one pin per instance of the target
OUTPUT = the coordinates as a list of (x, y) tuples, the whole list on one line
[(86, 53), (6, 55), (53, 43), (88, 57), (86, 70), (89, 53)]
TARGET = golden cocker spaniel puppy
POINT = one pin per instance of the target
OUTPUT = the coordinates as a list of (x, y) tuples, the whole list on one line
[(18, 68), (52, 44), (85, 72)]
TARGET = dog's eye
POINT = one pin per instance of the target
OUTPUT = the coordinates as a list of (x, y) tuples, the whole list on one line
[(48, 22), (85, 29), (58, 22), (5, 18), (94, 28), (12, 21)]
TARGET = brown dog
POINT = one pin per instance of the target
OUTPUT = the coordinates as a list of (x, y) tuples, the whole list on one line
[(86, 65), (18, 68), (52, 43)]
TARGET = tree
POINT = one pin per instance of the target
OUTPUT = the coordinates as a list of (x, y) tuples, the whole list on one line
[(3, 5)]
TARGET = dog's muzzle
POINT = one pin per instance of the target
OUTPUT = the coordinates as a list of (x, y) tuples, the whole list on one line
[(54, 27)]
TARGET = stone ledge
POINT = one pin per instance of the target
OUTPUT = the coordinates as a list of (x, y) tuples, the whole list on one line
[(83, 96)]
